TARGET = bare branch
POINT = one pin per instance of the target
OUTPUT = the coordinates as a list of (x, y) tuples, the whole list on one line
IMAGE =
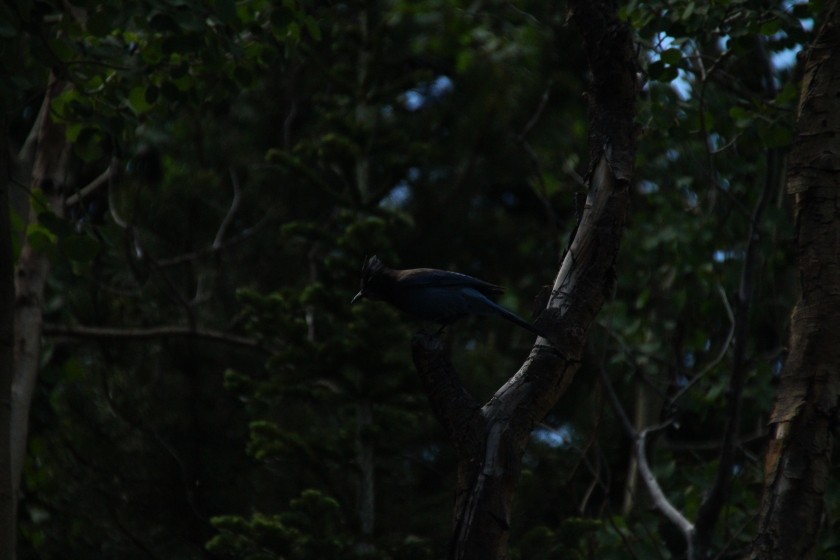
[(112, 207), (234, 206), (659, 500), (210, 249), (149, 333), (537, 114), (723, 349), (623, 419), (102, 179)]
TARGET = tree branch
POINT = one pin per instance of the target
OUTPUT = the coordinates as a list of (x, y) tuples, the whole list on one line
[(659, 500), (148, 333), (723, 350), (234, 206), (102, 179), (454, 407)]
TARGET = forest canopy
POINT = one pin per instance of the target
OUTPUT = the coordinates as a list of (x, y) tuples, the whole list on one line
[(191, 189)]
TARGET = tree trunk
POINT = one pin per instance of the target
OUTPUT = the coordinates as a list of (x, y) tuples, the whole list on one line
[(365, 457), (798, 462), (490, 439), (8, 527), (48, 175)]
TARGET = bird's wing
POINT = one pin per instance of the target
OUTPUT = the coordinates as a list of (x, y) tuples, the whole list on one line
[(431, 277)]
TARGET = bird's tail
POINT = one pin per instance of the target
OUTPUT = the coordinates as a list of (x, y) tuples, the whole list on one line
[(517, 320)]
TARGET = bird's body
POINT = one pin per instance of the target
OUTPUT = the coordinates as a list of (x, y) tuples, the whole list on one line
[(433, 295)]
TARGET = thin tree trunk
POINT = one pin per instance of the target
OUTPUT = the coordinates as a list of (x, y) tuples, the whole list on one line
[(8, 527), (48, 175), (798, 462), (366, 464)]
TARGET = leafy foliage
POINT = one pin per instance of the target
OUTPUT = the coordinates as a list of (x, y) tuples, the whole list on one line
[(264, 148)]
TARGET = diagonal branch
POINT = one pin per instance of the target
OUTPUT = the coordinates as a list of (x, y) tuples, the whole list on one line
[(490, 441), (94, 185)]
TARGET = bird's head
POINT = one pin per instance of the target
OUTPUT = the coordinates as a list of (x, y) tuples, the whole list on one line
[(372, 279)]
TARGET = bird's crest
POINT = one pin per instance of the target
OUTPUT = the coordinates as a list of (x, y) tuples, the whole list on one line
[(371, 268)]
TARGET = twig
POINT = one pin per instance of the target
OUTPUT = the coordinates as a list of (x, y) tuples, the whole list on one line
[(616, 404), (724, 348), (234, 206), (112, 206), (210, 249), (537, 114)]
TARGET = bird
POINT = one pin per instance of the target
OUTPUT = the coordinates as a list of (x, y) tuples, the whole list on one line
[(433, 295)]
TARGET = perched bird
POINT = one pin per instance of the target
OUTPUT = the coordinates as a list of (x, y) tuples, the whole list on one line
[(434, 295)]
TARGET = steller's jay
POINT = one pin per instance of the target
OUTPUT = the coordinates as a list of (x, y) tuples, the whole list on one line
[(434, 295)]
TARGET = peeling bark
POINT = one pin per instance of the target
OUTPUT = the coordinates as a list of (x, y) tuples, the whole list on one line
[(798, 463)]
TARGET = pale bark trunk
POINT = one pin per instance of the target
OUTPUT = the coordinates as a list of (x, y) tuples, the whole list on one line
[(48, 174)]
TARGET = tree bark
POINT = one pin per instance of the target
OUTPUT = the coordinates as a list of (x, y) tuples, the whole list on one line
[(8, 526), (798, 462), (490, 439), (31, 273)]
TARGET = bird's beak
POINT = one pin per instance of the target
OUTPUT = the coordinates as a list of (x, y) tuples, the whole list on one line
[(356, 298)]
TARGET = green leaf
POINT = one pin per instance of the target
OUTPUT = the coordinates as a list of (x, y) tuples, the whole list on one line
[(716, 390), (775, 136), (742, 117), (61, 49), (74, 369), (170, 92), (788, 94), (312, 28), (671, 56), (669, 74), (770, 27), (88, 145), (226, 10), (151, 94), (655, 69), (80, 248), (41, 239), (137, 101), (99, 23), (59, 227), (293, 32), (163, 23)]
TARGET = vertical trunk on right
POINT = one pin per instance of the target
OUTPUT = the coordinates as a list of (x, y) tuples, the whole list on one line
[(798, 460)]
